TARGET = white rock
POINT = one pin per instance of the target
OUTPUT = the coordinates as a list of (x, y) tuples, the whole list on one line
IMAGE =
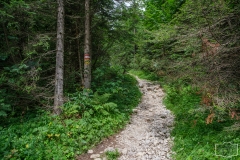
[(168, 155), (135, 110), (140, 154), (131, 153), (124, 151), (147, 141), (168, 134), (140, 85), (90, 151), (109, 149), (156, 142), (149, 89), (94, 156)]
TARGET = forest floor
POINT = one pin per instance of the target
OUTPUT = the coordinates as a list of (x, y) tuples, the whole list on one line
[(147, 136)]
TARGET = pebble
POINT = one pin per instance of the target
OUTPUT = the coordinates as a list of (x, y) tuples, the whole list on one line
[(94, 156), (135, 110), (124, 151), (109, 149), (90, 151), (140, 153)]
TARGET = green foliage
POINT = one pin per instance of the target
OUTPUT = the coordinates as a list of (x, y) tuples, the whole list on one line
[(4, 104), (144, 75), (112, 155), (176, 48), (193, 138), (129, 27), (86, 104), (118, 86), (87, 118), (160, 12), (24, 45)]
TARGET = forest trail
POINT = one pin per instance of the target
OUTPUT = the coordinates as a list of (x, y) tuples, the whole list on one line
[(147, 136)]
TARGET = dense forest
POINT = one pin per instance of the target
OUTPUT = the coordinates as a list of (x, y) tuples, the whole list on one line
[(66, 71)]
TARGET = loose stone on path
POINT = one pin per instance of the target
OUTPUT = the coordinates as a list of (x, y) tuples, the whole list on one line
[(150, 127)]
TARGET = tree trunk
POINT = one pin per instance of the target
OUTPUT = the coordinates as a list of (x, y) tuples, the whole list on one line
[(87, 41), (79, 55), (58, 95)]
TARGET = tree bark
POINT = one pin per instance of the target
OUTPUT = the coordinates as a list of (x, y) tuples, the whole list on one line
[(58, 95), (79, 55), (87, 52)]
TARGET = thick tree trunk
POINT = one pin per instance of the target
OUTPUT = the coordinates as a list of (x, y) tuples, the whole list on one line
[(58, 95), (87, 52)]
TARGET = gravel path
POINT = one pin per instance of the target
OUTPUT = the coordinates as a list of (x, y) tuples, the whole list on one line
[(147, 136)]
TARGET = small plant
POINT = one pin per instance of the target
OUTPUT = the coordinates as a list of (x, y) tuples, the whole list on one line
[(112, 155), (145, 75)]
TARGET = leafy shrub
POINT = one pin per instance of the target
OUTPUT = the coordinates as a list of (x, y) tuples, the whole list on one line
[(4, 107), (87, 118), (121, 87)]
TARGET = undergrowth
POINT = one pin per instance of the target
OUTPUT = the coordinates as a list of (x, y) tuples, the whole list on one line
[(144, 75), (193, 138), (87, 118), (112, 155)]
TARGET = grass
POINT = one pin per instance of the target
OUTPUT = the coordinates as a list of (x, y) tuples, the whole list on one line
[(144, 75), (194, 139)]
